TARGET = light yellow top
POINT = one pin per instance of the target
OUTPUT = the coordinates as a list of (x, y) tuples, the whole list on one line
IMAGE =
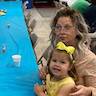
[(54, 86)]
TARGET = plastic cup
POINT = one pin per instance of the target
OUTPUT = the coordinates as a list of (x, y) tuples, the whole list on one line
[(16, 59)]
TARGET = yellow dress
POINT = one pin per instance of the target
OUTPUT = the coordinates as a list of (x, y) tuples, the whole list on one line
[(54, 86)]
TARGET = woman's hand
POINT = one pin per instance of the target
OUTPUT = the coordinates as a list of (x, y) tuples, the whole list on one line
[(81, 90)]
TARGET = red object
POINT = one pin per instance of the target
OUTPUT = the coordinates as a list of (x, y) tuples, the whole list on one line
[(39, 90)]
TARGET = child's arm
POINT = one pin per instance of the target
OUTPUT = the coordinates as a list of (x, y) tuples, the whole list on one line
[(65, 90), (39, 90)]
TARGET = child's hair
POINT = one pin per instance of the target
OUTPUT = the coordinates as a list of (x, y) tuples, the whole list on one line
[(70, 58), (57, 50)]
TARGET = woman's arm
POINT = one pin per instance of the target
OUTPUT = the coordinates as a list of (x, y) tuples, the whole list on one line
[(90, 74), (87, 70)]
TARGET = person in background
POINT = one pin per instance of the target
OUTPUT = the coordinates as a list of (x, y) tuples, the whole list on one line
[(58, 80), (69, 27), (80, 5), (90, 17)]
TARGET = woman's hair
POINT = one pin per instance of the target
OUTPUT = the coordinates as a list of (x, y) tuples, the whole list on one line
[(78, 22)]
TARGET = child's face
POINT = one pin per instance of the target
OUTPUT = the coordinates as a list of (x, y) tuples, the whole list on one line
[(59, 64)]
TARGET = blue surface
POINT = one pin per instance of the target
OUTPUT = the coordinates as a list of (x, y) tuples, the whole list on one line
[(16, 81)]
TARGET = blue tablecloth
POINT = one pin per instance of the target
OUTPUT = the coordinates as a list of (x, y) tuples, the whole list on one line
[(14, 37)]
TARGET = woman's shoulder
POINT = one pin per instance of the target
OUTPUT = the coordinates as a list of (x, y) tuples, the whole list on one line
[(88, 57), (85, 56), (88, 53)]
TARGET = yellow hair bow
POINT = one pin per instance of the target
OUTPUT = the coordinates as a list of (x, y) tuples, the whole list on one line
[(62, 46)]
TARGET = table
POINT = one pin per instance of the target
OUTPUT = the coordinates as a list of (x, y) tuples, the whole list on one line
[(14, 39)]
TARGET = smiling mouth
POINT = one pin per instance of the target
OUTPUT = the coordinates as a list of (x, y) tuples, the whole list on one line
[(56, 69)]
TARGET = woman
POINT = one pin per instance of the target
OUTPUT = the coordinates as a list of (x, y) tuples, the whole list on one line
[(69, 27)]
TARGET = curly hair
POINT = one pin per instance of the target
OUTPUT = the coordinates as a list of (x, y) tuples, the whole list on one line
[(79, 23)]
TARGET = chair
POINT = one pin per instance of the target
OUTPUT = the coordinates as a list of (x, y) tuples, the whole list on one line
[(45, 55), (31, 25), (34, 39)]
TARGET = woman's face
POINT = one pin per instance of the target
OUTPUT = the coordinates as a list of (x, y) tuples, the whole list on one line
[(65, 31)]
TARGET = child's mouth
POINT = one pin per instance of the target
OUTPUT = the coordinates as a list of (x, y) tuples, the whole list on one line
[(56, 69)]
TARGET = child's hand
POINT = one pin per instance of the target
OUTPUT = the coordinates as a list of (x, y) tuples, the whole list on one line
[(38, 90)]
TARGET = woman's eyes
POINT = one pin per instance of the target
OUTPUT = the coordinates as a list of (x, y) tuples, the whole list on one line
[(58, 27)]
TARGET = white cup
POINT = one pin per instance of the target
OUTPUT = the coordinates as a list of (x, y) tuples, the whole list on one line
[(16, 59)]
